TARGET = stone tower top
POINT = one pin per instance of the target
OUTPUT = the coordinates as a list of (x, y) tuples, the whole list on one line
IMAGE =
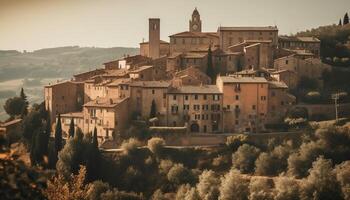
[(195, 22)]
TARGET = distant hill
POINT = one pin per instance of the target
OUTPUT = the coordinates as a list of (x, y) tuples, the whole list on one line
[(335, 41), (33, 70), (56, 62)]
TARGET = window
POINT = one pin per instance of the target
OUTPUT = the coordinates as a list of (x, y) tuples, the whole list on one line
[(174, 123), (153, 92), (237, 97), (186, 107), (186, 97), (204, 128), (216, 97), (228, 107), (174, 109), (253, 107), (282, 103), (236, 122), (196, 96), (164, 95), (286, 62), (273, 93), (237, 87), (261, 85), (174, 97), (183, 41), (263, 98)]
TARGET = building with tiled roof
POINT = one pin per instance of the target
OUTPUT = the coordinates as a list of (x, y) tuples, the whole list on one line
[(312, 44)]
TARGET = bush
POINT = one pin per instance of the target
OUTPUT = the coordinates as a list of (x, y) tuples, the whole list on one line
[(233, 186), (286, 189), (179, 174), (321, 183), (343, 176), (266, 165), (156, 145), (244, 158), (260, 188), (208, 185), (130, 146), (235, 141)]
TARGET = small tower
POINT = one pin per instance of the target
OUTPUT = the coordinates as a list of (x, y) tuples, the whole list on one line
[(196, 22), (154, 38)]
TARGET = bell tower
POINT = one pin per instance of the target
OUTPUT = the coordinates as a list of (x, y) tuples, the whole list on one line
[(154, 38), (195, 22)]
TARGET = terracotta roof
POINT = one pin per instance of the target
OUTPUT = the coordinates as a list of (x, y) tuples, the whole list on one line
[(298, 39), (189, 89), (277, 85), (92, 71), (255, 28), (195, 34), (104, 102), (161, 41), (233, 79), (195, 55), (73, 114), (140, 69), (61, 83), (150, 84), (119, 81)]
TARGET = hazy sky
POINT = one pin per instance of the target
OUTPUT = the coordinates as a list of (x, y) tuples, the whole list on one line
[(35, 24)]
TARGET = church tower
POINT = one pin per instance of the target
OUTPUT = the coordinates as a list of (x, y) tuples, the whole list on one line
[(154, 38), (196, 22)]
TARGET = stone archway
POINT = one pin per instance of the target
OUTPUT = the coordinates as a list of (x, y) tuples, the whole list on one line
[(195, 128)]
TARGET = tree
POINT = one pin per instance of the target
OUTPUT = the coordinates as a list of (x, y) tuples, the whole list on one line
[(94, 139), (58, 134), (208, 185), (346, 19), (260, 188), (286, 189), (340, 23), (47, 134), (153, 112), (321, 183), (24, 98), (233, 186), (210, 69), (14, 106), (343, 176), (38, 147), (156, 145), (244, 158), (266, 164), (130, 146), (31, 123), (71, 128), (179, 174)]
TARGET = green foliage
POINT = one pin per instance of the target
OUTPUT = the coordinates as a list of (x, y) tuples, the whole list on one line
[(179, 174), (94, 139), (71, 128), (156, 145), (321, 183), (153, 112), (343, 176), (346, 19), (39, 147), (58, 134), (15, 106), (235, 141), (24, 98), (266, 164), (233, 186), (286, 189), (130, 146), (244, 158), (31, 123), (260, 188), (210, 69), (208, 185), (297, 112)]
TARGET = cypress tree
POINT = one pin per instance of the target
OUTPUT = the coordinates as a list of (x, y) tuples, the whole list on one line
[(153, 109), (24, 98), (94, 139), (340, 24), (210, 70), (346, 19), (47, 134), (58, 134), (71, 128)]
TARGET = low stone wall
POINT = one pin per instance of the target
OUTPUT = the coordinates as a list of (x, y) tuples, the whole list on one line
[(325, 111)]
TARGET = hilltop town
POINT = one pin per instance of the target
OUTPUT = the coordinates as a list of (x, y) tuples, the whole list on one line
[(234, 80)]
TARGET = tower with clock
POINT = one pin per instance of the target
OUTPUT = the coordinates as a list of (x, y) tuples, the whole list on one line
[(196, 22)]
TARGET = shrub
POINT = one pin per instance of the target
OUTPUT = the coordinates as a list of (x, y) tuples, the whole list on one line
[(131, 145), (156, 145), (244, 158), (233, 186), (235, 141), (208, 185), (260, 188), (179, 174), (266, 164), (286, 189), (343, 176)]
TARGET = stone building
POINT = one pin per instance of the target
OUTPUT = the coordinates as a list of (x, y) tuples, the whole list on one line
[(197, 106), (245, 103), (312, 44), (63, 97)]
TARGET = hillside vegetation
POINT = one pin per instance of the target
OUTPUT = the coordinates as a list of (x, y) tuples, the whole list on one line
[(334, 43)]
